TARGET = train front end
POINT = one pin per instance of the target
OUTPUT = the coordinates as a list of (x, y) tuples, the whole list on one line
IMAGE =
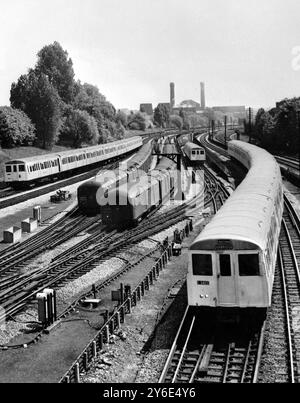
[(227, 273)]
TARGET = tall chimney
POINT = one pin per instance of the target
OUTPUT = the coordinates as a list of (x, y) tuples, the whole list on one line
[(202, 87), (172, 95)]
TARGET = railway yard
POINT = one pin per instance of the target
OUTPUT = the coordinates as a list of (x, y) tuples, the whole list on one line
[(121, 310)]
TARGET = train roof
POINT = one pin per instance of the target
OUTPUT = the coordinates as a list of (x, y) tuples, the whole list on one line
[(33, 159), (132, 189), (246, 215), (165, 163)]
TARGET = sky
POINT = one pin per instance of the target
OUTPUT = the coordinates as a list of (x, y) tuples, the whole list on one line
[(133, 49)]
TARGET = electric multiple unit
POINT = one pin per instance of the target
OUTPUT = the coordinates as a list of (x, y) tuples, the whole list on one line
[(232, 261), (30, 170)]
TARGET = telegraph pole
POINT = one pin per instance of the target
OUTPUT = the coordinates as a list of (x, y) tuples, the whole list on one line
[(250, 124), (298, 121), (225, 133)]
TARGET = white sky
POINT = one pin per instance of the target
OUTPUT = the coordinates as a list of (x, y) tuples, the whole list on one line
[(133, 49)]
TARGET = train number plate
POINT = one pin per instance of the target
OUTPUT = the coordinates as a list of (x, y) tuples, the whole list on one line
[(203, 282)]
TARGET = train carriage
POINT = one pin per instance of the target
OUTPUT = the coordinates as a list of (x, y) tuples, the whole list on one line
[(129, 203), (194, 153), (29, 170), (232, 262), (92, 195)]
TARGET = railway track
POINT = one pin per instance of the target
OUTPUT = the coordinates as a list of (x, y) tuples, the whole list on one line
[(14, 259), (216, 193), (18, 291), (287, 295), (208, 145), (289, 162), (202, 355), (213, 353)]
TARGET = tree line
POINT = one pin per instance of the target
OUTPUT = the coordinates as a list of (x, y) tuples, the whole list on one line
[(278, 130), (48, 106)]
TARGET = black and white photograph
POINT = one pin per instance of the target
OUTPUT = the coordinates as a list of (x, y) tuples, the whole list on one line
[(149, 195)]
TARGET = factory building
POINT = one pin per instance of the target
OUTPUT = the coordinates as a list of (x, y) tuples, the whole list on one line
[(146, 108)]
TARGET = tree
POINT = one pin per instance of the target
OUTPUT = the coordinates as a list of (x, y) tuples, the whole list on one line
[(89, 99), (34, 94), (136, 121), (185, 119), (122, 118), (81, 128), (120, 131), (55, 63), (161, 115), (15, 128), (278, 130), (259, 124), (104, 135), (176, 122)]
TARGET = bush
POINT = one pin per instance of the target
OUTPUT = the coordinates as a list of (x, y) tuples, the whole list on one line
[(16, 128)]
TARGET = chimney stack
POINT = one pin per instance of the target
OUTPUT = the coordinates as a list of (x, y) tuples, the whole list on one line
[(172, 95), (202, 88)]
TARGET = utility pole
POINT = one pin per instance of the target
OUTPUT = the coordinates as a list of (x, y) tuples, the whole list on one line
[(225, 133), (298, 121), (250, 124)]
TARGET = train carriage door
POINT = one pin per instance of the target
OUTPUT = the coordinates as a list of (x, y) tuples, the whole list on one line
[(226, 280), (59, 164)]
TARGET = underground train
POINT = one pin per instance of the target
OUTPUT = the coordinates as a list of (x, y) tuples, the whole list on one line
[(29, 170), (195, 154), (130, 203), (232, 261), (92, 195)]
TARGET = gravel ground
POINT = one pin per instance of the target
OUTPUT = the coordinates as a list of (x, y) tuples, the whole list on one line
[(13, 329), (75, 288), (273, 356), (43, 261), (273, 359), (139, 352), (68, 293)]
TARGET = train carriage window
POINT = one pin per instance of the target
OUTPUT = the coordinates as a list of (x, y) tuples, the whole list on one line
[(15, 168), (248, 265), (21, 168), (8, 168), (225, 265), (202, 265)]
